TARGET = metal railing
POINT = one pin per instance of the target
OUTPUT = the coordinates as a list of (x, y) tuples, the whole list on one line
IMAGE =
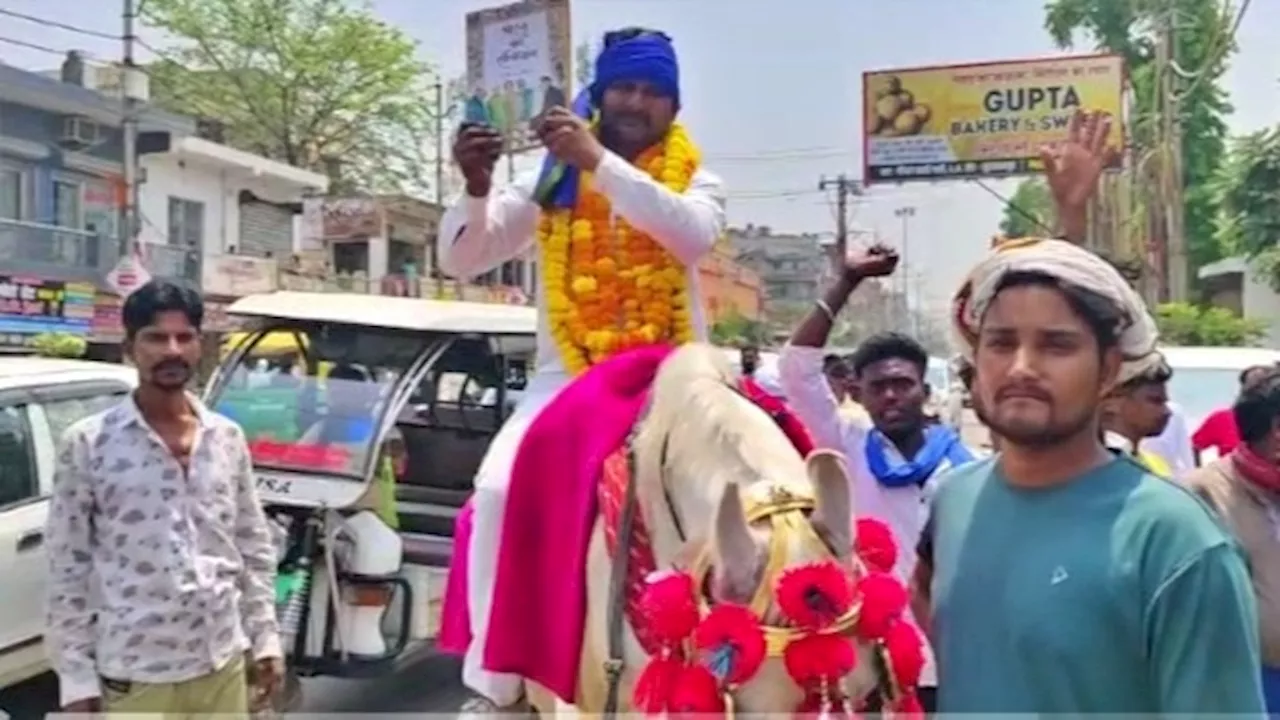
[(31, 246)]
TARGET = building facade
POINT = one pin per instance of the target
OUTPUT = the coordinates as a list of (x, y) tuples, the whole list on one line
[(790, 265), (61, 194)]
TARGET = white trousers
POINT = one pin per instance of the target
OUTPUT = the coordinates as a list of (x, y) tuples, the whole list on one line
[(489, 505)]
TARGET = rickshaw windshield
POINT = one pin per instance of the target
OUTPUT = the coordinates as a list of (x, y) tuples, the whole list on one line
[(310, 397)]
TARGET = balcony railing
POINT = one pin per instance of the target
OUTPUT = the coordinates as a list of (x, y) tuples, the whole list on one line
[(36, 247)]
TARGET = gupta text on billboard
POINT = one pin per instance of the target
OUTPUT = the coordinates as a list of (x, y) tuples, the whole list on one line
[(984, 120)]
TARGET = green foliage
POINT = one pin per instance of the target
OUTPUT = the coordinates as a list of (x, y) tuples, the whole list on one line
[(1187, 324), (1032, 198), (59, 345), (1248, 192), (1126, 27), (736, 329), (307, 82)]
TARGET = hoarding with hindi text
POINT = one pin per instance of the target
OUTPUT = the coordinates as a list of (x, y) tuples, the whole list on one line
[(982, 120)]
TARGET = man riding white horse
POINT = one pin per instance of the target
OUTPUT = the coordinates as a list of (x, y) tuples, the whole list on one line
[(620, 214)]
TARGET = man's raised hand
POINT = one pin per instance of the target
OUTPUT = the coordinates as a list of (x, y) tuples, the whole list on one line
[(1072, 168), (569, 139), (476, 150)]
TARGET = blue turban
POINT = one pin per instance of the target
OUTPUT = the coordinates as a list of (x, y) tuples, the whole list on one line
[(647, 58)]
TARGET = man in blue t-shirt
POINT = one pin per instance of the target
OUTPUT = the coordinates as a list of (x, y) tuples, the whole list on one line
[(1058, 577)]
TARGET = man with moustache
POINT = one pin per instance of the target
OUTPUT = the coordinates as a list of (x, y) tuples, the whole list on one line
[(634, 99), (161, 563), (1060, 577)]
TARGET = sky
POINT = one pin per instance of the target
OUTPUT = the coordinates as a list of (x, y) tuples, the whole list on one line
[(771, 91)]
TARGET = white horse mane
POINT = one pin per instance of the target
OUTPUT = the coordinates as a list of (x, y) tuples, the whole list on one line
[(712, 436)]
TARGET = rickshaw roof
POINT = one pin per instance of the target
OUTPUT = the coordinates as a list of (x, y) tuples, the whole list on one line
[(395, 313)]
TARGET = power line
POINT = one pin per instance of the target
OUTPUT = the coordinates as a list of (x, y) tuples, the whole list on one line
[(60, 25), (31, 46)]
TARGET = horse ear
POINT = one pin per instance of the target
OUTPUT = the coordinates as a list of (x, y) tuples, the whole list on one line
[(734, 547), (833, 511)]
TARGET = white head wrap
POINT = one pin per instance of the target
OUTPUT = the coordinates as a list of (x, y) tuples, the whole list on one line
[(1071, 264)]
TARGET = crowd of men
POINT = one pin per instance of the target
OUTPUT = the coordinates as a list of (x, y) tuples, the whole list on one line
[(1067, 573)]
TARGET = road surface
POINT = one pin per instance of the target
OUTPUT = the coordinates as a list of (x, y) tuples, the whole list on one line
[(430, 685)]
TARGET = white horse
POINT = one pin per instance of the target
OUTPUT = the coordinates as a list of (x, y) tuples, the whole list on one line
[(704, 454)]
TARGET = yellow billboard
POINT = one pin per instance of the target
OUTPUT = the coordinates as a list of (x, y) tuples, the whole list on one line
[(981, 120)]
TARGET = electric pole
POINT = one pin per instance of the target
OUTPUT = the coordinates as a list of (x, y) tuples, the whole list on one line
[(1175, 209), (1169, 213), (906, 213), (129, 125), (844, 187)]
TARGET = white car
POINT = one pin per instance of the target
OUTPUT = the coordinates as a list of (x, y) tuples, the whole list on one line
[(1208, 378), (39, 399)]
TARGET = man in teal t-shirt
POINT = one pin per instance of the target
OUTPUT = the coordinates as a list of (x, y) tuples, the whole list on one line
[(1060, 577)]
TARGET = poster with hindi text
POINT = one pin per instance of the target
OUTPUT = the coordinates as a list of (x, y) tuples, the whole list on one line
[(519, 62)]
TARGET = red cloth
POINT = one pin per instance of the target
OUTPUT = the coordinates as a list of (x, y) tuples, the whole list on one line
[(1261, 472), (455, 618), (539, 594), (1218, 430)]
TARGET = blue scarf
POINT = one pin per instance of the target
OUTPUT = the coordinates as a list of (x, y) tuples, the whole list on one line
[(940, 443), (651, 58)]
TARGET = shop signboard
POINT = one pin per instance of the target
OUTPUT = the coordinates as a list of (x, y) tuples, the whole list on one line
[(984, 119), (30, 306), (238, 275)]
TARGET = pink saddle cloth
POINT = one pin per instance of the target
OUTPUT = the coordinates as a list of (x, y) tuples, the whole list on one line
[(540, 595)]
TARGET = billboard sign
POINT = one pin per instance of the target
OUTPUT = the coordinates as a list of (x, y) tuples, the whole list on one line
[(519, 62), (982, 120)]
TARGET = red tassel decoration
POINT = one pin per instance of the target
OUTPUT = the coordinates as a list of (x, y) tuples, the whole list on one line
[(883, 601), (814, 661), (814, 596), (875, 545), (669, 607), (696, 692), (905, 648), (654, 687), (730, 643)]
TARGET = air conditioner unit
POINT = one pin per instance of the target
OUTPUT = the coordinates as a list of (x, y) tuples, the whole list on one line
[(79, 132)]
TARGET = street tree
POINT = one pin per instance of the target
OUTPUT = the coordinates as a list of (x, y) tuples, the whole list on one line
[(1248, 191), (1030, 212), (1203, 45), (320, 84)]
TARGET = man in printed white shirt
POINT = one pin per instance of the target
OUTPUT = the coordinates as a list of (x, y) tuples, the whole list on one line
[(895, 464), (636, 92), (161, 564)]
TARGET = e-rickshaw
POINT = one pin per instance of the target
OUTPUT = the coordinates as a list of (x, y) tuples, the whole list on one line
[(364, 450)]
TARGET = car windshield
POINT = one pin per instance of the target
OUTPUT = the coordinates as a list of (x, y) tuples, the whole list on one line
[(310, 398), (1198, 391)]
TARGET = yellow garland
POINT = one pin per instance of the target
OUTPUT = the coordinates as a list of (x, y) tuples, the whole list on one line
[(609, 286)]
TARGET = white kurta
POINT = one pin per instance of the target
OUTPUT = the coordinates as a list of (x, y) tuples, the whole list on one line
[(904, 509), (479, 234)]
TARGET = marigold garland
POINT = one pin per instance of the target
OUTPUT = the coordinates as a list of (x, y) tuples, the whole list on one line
[(609, 286)]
